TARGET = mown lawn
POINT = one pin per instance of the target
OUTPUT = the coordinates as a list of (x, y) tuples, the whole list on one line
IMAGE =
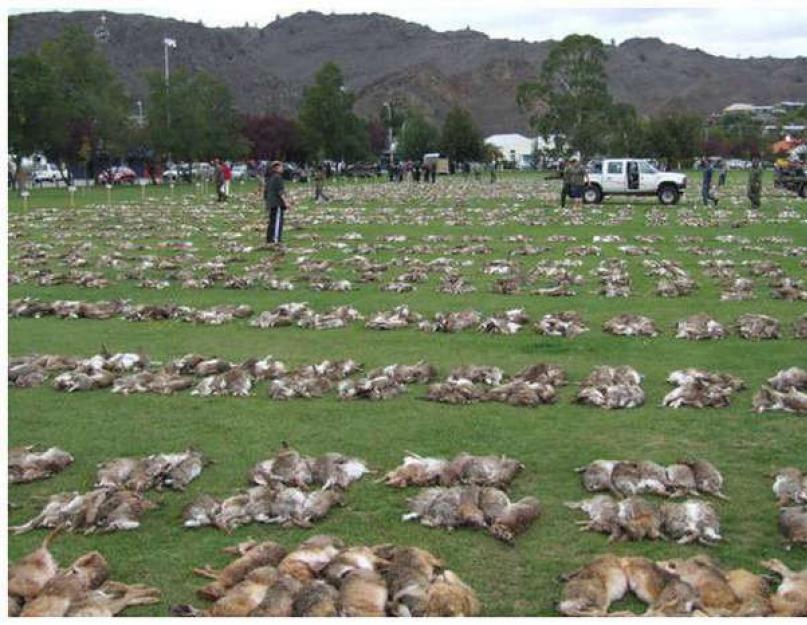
[(550, 440)]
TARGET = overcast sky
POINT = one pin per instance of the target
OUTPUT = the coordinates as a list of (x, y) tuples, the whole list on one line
[(739, 28)]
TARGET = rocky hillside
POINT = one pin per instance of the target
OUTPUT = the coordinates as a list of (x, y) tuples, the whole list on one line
[(386, 58)]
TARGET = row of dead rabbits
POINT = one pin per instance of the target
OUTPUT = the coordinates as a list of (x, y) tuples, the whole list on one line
[(606, 386), (323, 578), (468, 491)]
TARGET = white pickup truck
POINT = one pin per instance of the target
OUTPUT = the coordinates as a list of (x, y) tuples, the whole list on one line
[(631, 176)]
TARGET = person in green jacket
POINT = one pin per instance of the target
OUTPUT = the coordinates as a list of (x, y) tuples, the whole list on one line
[(755, 183), (577, 182), (566, 176), (319, 184)]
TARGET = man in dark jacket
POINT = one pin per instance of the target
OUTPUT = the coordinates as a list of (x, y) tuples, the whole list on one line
[(565, 175), (274, 195), (319, 184), (755, 183), (706, 182)]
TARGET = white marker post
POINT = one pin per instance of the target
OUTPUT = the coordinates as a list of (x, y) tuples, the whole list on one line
[(24, 195), (108, 194), (72, 191), (171, 186)]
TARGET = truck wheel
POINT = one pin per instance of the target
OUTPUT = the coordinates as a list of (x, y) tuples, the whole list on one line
[(668, 195), (592, 194)]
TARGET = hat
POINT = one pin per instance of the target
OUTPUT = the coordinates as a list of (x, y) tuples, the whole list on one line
[(275, 164)]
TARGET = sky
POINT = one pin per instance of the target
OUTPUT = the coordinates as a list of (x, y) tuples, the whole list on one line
[(740, 28)]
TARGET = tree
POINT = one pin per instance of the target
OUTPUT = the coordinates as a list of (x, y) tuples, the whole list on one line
[(570, 97), (460, 140), (675, 136), (626, 135), (273, 137), (32, 106), (194, 117), (377, 134), (417, 137), (65, 98), (330, 128)]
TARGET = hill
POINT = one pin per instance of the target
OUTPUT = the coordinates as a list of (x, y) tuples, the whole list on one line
[(387, 58)]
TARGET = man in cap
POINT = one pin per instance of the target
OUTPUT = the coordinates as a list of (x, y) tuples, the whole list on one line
[(274, 194)]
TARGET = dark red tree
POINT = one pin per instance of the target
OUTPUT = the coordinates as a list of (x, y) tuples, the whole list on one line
[(273, 137), (378, 136)]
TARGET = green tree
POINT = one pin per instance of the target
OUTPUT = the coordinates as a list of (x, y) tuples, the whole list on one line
[(626, 133), (330, 128), (66, 97), (193, 117), (32, 109), (417, 136), (675, 136), (570, 97), (460, 140)]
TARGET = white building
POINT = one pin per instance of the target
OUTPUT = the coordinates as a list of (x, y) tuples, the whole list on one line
[(518, 149)]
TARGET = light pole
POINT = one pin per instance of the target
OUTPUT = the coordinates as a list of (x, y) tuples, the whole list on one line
[(167, 43), (389, 111)]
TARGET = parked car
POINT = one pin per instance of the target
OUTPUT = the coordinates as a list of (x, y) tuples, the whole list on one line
[(202, 170), (239, 171), (117, 175), (361, 170), (47, 173), (632, 176), (294, 173)]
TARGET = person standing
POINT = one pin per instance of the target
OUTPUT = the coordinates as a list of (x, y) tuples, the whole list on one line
[(218, 179), (565, 174), (319, 184), (492, 167), (755, 183), (706, 183), (227, 177), (577, 180), (274, 195), (724, 170)]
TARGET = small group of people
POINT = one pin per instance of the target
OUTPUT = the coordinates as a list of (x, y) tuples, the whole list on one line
[(412, 171), (710, 190), (575, 178), (477, 169)]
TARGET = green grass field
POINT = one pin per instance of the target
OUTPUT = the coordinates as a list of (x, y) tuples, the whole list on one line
[(549, 440)]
